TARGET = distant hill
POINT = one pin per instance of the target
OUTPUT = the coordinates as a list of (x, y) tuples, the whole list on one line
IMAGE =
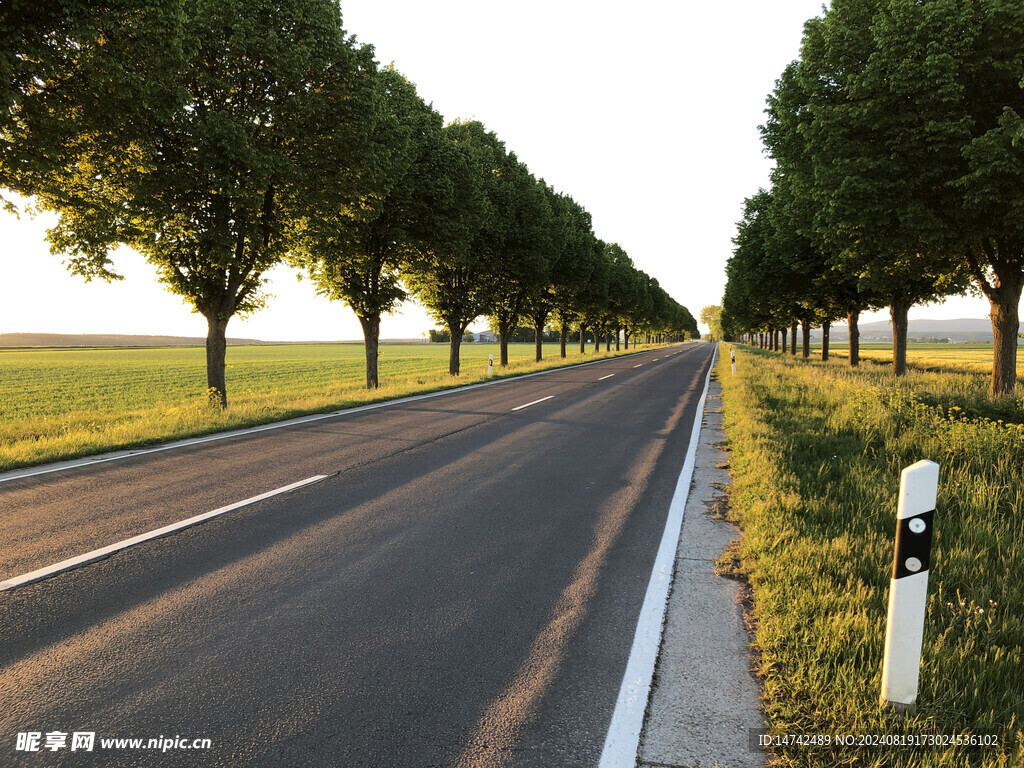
[(105, 340), (125, 340), (960, 330)]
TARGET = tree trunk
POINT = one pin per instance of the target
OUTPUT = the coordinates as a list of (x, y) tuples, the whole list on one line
[(898, 312), (371, 342), (583, 340), (597, 341), (617, 343), (852, 319), (539, 340), (792, 339), (453, 349), (785, 331), (825, 328), (503, 332), (607, 342), (805, 328), (1005, 314), (564, 337), (216, 349)]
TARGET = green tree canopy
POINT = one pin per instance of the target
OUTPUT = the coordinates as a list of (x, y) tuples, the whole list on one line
[(868, 183), (79, 83), (711, 316), (271, 101), (573, 271), (514, 246), (358, 259), (592, 299), (947, 79), (448, 277)]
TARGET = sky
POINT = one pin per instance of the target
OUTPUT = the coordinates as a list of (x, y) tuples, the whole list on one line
[(646, 113)]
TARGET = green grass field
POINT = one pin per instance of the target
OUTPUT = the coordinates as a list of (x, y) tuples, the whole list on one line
[(816, 455), (60, 403)]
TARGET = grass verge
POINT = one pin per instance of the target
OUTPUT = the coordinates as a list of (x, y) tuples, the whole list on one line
[(59, 404), (817, 451)]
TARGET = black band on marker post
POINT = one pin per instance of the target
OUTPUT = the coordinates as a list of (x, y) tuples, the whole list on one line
[(913, 543)]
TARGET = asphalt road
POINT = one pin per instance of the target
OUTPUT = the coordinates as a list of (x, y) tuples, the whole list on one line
[(461, 589)]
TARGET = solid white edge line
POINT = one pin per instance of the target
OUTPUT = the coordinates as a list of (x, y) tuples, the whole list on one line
[(606, 377), (99, 554), (623, 740), (527, 405), (20, 474)]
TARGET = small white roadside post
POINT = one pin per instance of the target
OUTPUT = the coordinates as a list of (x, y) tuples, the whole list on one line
[(734, 362), (908, 589), (490, 365)]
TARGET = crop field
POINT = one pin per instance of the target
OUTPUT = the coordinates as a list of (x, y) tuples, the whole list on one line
[(938, 357), (816, 454), (63, 402)]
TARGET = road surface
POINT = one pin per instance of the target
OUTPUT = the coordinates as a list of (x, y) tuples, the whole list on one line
[(461, 587)]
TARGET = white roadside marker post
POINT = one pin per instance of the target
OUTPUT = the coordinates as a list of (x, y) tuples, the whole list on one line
[(734, 362), (908, 589), (490, 365)]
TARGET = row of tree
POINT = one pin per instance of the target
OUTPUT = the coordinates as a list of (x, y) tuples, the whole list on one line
[(898, 139), (222, 137)]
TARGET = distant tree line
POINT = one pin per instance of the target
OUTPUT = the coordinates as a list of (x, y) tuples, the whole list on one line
[(220, 138), (931, 340), (711, 316), (898, 139)]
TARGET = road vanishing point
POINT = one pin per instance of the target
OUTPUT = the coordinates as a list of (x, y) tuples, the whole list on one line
[(453, 580)]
